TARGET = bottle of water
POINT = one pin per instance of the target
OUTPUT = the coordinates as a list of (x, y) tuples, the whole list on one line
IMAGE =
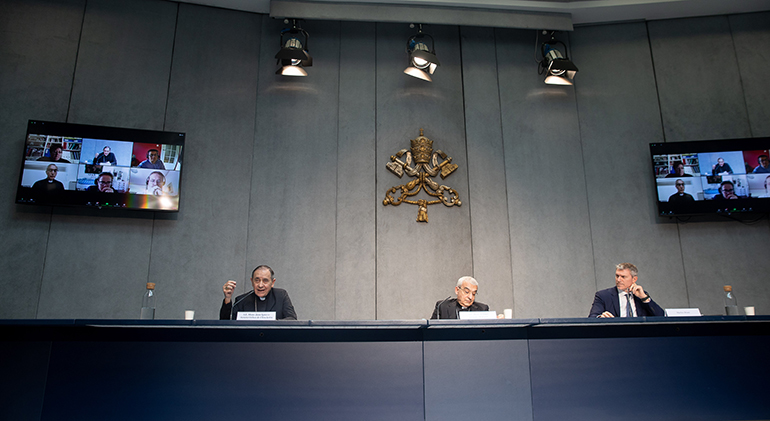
[(148, 302), (731, 304)]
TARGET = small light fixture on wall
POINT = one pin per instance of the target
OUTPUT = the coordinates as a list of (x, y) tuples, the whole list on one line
[(293, 56), (557, 67), (422, 58)]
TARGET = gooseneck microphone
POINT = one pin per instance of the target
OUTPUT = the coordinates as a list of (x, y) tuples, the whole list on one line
[(438, 307), (236, 302)]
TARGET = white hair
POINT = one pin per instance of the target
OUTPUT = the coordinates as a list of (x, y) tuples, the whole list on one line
[(467, 278)]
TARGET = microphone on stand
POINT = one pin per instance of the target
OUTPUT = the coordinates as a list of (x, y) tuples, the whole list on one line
[(236, 302), (438, 307)]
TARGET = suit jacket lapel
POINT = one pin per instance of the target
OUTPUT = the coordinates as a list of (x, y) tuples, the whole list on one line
[(638, 304), (616, 303)]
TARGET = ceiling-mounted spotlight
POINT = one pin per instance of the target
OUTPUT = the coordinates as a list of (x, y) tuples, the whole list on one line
[(294, 52), (422, 58), (558, 69)]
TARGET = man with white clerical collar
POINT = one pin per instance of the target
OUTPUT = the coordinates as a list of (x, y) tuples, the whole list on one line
[(262, 298), (466, 290)]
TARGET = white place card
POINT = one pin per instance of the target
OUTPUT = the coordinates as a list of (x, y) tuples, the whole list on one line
[(256, 315), (477, 315), (682, 312)]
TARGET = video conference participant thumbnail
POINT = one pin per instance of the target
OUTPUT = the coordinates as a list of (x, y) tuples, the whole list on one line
[(46, 181), (106, 153), (154, 182), (726, 191), (106, 157), (156, 156), (153, 161), (103, 183), (680, 195), (764, 165), (263, 297), (49, 184), (759, 185), (56, 152), (678, 170), (721, 168)]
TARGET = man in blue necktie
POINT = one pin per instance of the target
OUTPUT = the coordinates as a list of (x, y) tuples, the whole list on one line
[(626, 298)]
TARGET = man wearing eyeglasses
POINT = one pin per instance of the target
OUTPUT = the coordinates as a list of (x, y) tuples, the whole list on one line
[(49, 184), (726, 191), (103, 183), (466, 290), (262, 298), (680, 195)]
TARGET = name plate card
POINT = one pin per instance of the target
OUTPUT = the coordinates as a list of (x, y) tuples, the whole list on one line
[(682, 312), (477, 315), (256, 315)]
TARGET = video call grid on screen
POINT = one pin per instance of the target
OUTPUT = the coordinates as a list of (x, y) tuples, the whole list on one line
[(712, 171), (68, 164)]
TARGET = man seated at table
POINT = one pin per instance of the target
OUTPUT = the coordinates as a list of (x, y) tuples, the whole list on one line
[(106, 157), (262, 298), (465, 290), (626, 298)]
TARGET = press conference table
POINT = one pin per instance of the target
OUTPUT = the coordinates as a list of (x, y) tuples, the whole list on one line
[(705, 368)]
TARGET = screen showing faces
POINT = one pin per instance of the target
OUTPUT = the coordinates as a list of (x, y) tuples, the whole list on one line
[(712, 176), (102, 167)]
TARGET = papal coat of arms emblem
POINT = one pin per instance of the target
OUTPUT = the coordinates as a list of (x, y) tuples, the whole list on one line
[(426, 165)]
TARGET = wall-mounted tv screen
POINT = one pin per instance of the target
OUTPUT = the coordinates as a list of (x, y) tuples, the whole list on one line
[(712, 177), (101, 167)]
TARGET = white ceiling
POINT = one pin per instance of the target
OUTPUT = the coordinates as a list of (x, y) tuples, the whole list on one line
[(582, 11)]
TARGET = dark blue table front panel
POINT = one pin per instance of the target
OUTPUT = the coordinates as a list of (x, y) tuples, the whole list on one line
[(23, 371), (541, 370), (654, 378), (477, 380), (193, 381)]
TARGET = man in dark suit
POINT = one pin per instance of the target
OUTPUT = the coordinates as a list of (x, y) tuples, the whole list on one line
[(263, 298), (466, 290), (626, 298)]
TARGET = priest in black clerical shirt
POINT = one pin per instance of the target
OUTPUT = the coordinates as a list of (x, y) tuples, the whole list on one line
[(680, 195), (466, 290), (263, 298), (49, 184)]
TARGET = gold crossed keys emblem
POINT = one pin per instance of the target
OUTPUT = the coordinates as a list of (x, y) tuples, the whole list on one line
[(426, 165)]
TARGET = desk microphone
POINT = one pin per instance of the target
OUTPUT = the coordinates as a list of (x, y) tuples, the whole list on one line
[(438, 309), (239, 300)]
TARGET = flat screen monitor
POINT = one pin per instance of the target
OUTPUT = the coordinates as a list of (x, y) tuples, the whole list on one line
[(712, 177), (101, 167)]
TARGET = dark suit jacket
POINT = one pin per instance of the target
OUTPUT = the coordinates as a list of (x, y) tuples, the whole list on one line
[(608, 300), (277, 300), (448, 309)]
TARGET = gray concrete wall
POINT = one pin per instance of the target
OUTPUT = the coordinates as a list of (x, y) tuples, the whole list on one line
[(290, 172)]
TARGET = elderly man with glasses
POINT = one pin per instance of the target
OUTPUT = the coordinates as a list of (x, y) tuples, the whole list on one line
[(680, 195), (466, 290)]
